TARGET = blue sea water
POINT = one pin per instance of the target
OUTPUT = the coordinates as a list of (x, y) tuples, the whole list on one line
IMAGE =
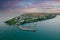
[(46, 30)]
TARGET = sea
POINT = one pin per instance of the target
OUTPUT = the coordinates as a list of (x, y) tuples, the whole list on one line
[(45, 30)]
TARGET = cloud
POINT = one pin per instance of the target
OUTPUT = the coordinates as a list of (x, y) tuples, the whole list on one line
[(24, 7), (48, 7)]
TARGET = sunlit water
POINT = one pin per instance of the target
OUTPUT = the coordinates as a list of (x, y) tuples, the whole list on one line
[(46, 30)]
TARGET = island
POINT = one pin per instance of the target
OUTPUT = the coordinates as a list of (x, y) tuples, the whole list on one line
[(29, 18)]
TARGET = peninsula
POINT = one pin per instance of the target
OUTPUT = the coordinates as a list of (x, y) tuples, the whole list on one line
[(29, 18)]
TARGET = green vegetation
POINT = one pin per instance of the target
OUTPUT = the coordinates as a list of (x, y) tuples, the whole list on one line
[(10, 22), (29, 18)]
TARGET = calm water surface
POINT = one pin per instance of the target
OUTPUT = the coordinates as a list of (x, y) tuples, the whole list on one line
[(46, 30)]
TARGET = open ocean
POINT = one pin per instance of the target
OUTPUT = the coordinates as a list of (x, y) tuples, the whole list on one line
[(46, 30)]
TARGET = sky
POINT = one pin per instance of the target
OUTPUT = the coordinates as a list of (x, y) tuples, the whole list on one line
[(27, 6)]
